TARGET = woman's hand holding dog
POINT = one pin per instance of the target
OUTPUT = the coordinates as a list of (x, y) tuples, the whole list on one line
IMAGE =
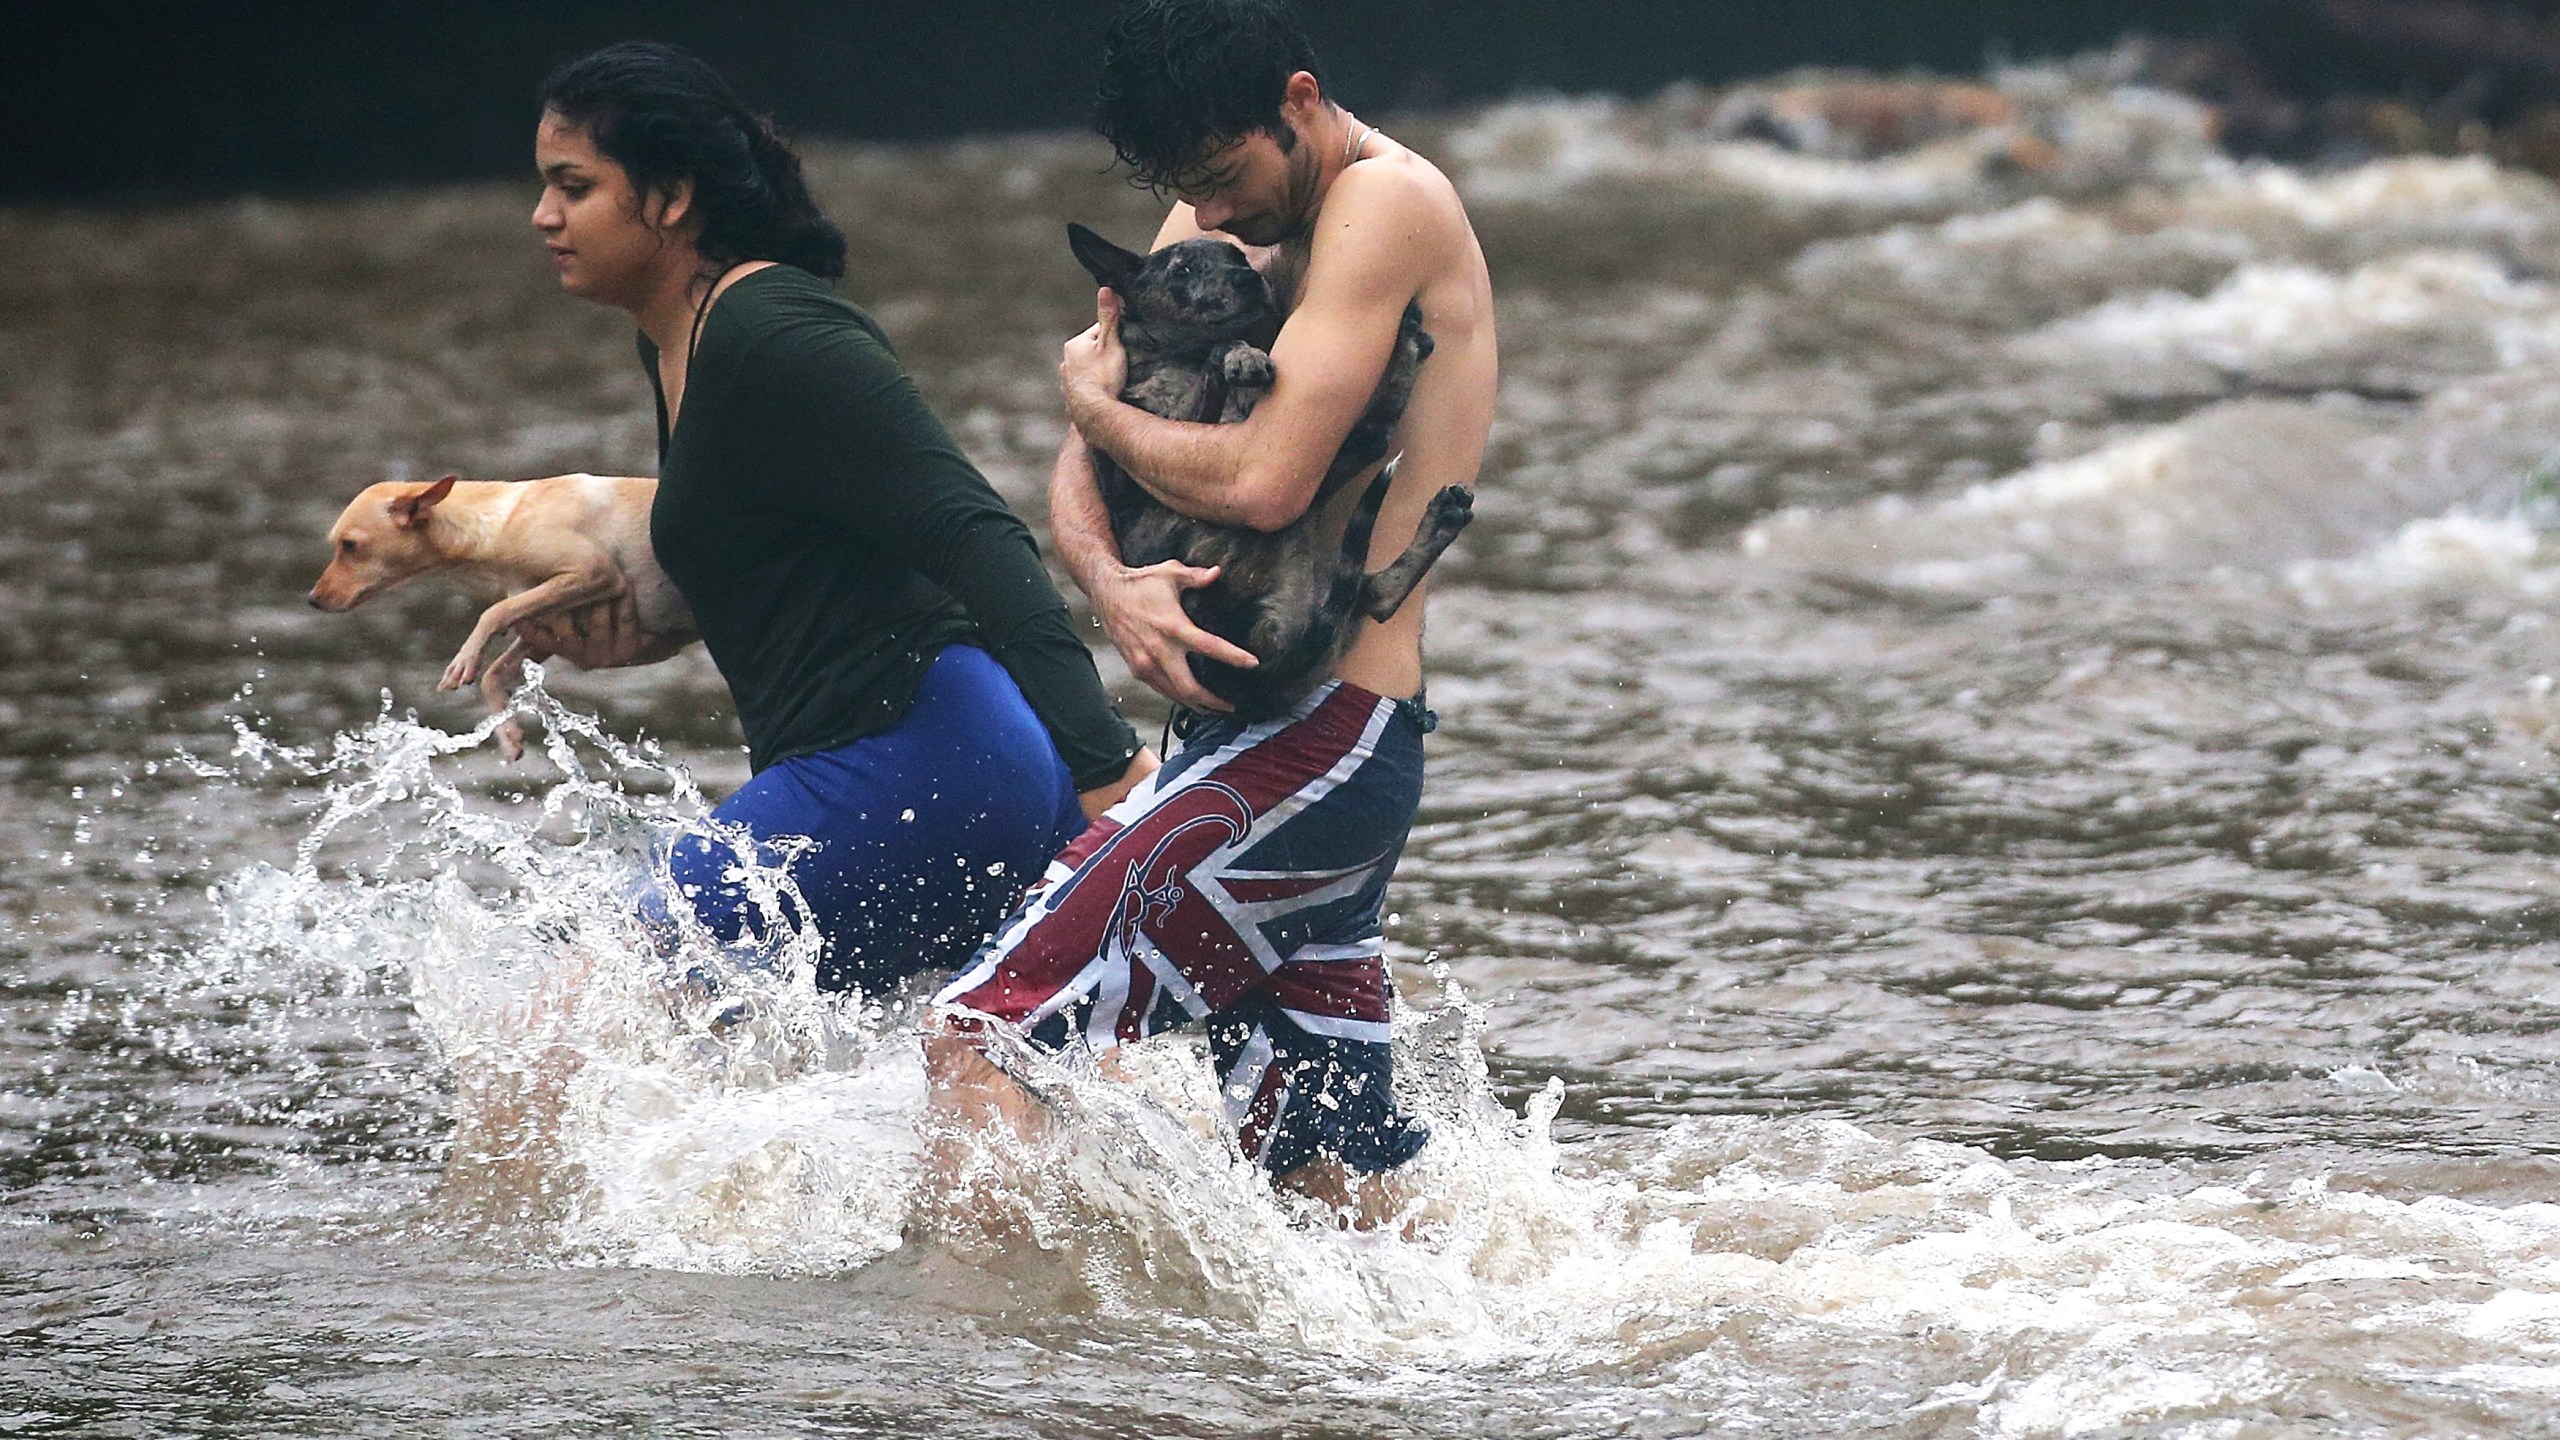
[(600, 635)]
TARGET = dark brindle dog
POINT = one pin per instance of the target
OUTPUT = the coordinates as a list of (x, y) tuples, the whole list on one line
[(1195, 319)]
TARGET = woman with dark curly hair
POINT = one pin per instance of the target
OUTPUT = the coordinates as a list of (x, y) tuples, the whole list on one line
[(913, 696)]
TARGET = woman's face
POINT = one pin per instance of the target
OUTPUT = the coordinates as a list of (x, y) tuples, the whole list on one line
[(609, 243)]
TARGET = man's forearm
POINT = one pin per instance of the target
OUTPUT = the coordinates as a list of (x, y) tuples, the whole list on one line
[(1206, 472), (1079, 523), (1140, 609)]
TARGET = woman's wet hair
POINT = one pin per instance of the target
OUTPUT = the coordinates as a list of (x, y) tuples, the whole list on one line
[(664, 116), (1182, 78)]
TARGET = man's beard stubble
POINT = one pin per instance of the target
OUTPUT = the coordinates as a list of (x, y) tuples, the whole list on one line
[(1296, 218)]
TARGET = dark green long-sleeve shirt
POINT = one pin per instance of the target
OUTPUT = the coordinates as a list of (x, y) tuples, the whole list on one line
[(831, 538)]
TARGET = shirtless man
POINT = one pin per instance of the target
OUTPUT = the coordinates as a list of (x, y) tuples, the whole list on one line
[(1242, 883)]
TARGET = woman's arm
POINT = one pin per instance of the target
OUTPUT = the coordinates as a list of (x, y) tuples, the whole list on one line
[(857, 446)]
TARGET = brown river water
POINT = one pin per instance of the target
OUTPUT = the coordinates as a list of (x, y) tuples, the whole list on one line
[(1988, 869)]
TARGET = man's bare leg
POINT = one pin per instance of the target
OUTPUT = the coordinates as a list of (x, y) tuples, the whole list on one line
[(973, 1091), (970, 1101), (969, 1092), (1359, 1200)]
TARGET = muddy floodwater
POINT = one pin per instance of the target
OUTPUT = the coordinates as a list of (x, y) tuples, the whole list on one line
[(1989, 867)]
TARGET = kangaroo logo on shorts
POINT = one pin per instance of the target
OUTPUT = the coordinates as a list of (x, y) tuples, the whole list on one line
[(1152, 889), (1154, 903)]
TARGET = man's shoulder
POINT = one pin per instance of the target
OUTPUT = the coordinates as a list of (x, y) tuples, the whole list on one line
[(1400, 194), (1401, 177)]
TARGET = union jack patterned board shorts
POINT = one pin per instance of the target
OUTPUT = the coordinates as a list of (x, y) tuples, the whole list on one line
[(1241, 886)]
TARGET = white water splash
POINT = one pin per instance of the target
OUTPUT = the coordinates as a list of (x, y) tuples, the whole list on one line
[(790, 1138), (2249, 483), (2423, 312), (2449, 555), (591, 1083), (2415, 199)]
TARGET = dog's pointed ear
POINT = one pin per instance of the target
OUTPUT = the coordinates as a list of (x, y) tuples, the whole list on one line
[(410, 511), (1103, 260)]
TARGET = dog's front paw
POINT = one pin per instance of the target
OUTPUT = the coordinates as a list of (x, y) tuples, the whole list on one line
[(1247, 368), (510, 737), (464, 669)]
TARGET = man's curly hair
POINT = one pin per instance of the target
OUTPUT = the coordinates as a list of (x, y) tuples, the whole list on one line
[(1181, 78)]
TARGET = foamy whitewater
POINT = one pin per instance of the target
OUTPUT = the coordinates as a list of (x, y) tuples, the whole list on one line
[(1987, 870), (789, 1142)]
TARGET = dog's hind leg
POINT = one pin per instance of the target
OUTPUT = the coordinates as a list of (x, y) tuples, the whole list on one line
[(561, 591), (1448, 513), (497, 686)]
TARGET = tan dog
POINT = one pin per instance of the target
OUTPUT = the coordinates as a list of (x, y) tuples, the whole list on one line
[(542, 547)]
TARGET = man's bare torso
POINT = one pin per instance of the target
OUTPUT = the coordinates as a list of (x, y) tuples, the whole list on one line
[(1447, 421)]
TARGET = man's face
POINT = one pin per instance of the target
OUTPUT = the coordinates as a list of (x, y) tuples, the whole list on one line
[(1252, 188)]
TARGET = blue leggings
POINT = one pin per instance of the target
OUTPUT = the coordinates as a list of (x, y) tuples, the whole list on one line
[(925, 835)]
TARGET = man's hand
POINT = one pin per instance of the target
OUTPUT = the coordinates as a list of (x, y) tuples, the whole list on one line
[(1093, 366), (1103, 797), (1141, 610)]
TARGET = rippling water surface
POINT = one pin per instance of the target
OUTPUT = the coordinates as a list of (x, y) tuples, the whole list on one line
[(1987, 869)]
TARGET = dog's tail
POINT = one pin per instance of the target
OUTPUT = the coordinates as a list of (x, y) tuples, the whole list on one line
[(1270, 688), (1349, 592)]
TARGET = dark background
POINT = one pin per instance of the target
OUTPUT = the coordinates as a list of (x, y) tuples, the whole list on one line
[(125, 100)]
